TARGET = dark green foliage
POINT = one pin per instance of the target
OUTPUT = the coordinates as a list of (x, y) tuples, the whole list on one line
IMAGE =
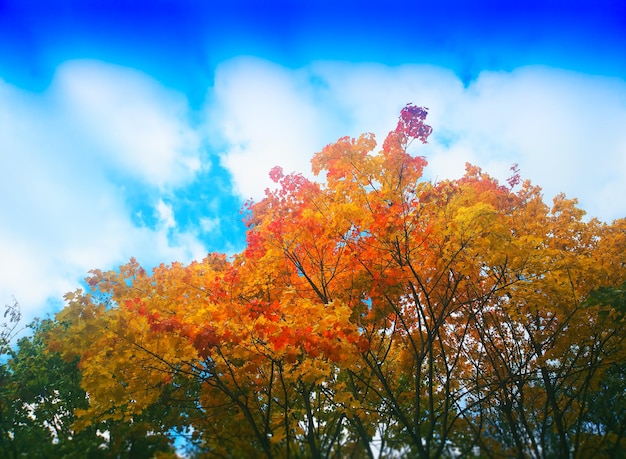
[(39, 394)]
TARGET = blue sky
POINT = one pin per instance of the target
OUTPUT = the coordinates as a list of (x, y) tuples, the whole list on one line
[(139, 128)]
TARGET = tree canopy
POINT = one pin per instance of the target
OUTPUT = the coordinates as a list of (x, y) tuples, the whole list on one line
[(373, 313)]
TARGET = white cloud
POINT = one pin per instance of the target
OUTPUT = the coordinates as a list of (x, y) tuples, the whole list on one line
[(166, 214), (564, 129), (267, 116), (139, 126), (68, 157), (208, 224)]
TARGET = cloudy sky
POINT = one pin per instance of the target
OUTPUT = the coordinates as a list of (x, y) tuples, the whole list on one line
[(139, 128)]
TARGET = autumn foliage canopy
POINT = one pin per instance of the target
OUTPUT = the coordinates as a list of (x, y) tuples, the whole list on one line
[(372, 314)]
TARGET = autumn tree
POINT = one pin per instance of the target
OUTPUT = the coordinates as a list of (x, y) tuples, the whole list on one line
[(545, 344), (40, 396), (372, 313)]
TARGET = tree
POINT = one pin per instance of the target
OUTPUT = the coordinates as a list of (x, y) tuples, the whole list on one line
[(40, 394), (372, 313), (605, 420)]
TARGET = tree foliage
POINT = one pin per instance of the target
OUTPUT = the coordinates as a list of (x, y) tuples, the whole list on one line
[(40, 396), (373, 313)]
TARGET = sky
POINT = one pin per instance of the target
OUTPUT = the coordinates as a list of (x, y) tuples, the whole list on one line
[(139, 128)]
